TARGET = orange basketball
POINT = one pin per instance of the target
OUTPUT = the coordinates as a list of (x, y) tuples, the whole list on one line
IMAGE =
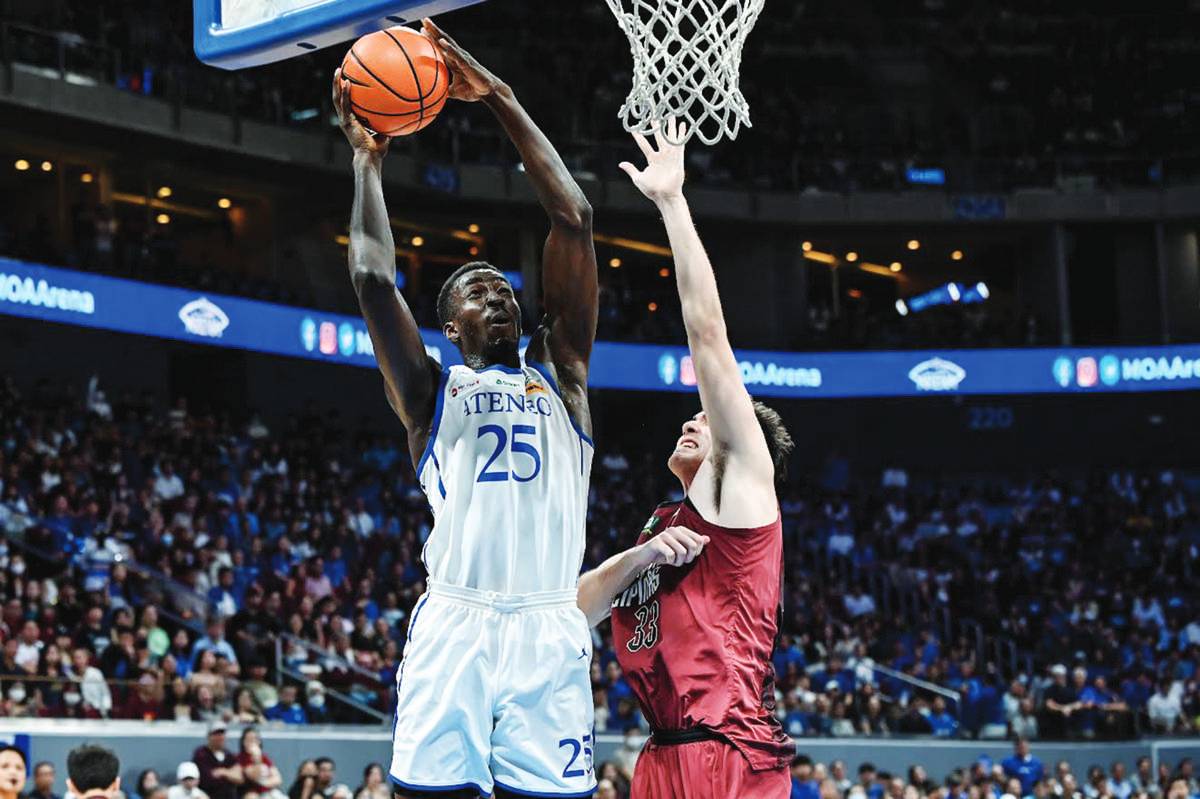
[(398, 80)]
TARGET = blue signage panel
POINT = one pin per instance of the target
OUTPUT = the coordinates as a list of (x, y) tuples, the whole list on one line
[(77, 298)]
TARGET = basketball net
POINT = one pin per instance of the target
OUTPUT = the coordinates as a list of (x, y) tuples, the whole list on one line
[(687, 56)]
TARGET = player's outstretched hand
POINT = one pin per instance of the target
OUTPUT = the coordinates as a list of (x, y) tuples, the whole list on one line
[(675, 546), (662, 179), (361, 139), (470, 80)]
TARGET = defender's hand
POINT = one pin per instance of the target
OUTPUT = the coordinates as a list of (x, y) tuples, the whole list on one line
[(662, 179), (361, 139), (470, 80), (675, 546)]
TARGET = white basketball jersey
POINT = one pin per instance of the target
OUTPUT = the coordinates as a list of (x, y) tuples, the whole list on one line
[(506, 472)]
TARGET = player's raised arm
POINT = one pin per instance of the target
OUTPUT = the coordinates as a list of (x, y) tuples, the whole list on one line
[(408, 372), (735, 429), (570, 287)]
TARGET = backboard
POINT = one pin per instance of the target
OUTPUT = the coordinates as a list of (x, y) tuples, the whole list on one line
[(232, 34)]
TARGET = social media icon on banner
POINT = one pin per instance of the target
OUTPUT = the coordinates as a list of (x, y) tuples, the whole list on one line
[(668, 368), (1064, 371), (1110, 370), (346, 339), (328, 338), (1086, 372), (308, 334)]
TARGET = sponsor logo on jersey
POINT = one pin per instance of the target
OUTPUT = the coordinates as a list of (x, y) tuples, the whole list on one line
[(204, 318), (463, 388), (937, 374), (534, 387)]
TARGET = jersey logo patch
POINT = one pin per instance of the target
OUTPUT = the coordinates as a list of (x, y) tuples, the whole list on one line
[(534, 387), (456, 390), (651, 524)]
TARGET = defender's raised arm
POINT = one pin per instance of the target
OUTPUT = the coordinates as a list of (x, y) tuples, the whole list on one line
[(736, 432), (408, 372)]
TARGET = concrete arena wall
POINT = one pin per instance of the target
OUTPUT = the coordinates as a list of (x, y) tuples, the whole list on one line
[(163, 745)]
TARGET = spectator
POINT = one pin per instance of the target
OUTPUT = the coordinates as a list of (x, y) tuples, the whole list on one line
[(305, 784), (1061, 701), (12, 772), (1165, 708), (326, 785), (287, 709), (1144, 781), (316, 711), (944, 725), (219, 772), (1024, 767), (374, 784), (1118, 786), (214, 641), (147, 784), (145, 701), (93, 690), (260, 775), (93, 773), (803, 784), (43, 782), (187, 783), (245, 707)]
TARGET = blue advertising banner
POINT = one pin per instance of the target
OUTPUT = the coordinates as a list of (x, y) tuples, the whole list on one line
[(77, 298)]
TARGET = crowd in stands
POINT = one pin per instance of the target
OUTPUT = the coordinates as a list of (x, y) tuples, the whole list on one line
[(155, 556), (217, 770), (1001, 94)]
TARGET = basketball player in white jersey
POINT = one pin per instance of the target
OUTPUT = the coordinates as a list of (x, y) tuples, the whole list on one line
[(494, 692)]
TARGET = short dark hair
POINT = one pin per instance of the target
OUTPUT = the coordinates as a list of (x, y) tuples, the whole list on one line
[(779, 440), (320, 761), (18, 751), (801, 760), (92, 768), (41, 764), (445, 309)]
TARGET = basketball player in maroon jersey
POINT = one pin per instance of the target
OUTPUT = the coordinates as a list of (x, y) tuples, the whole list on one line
[(695, 640)]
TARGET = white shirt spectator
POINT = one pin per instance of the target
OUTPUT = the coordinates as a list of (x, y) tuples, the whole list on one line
[(362, 524), (1165, 709), (28, 655), (859, 604), (1148, 611), (841, 543), (93, 689), (168, 486)]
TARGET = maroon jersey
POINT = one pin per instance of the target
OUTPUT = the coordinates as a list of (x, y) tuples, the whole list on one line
[(695, 642)]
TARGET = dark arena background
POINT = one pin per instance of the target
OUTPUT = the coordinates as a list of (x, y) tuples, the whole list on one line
[(957, 251)]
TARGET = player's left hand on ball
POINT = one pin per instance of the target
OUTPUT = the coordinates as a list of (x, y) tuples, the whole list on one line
[(361, 139), (663, 176), (470, 80), (675, 546)]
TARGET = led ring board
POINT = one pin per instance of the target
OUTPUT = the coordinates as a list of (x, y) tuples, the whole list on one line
[(233, 34)]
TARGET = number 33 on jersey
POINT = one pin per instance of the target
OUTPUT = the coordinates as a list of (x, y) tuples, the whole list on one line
[(504, 437)]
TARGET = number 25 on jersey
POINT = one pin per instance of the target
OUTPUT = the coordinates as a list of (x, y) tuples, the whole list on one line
[(512, 442)]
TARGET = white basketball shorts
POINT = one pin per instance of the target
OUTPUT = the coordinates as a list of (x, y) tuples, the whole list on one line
[(495, 690)]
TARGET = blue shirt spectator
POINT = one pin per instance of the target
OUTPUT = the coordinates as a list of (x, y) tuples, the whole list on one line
[(1023, 766), (288, 710)]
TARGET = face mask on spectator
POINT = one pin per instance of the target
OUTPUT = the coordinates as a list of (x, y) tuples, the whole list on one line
[(72, 698), (17, 695), (17, 567), (168, 539), (317, 700)]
